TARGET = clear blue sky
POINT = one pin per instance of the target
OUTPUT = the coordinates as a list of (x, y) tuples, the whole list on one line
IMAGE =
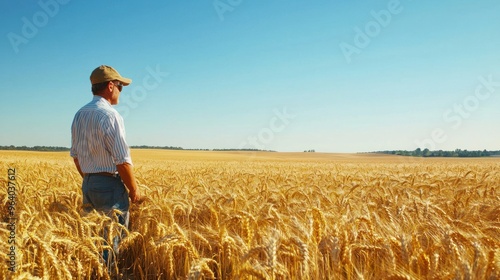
[(334, 76)]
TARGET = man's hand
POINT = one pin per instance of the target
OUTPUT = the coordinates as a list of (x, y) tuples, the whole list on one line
[(127, 174), (136, 197)]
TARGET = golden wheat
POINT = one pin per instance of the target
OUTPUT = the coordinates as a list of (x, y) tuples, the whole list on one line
[(223, 215)]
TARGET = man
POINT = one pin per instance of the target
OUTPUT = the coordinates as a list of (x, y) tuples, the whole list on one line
[(100, 152)]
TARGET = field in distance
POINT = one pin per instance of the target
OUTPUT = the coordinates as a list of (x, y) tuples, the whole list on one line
[(290, 156), (262, 215)]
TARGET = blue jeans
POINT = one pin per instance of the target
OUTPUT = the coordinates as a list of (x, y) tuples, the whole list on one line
[(105, 194)]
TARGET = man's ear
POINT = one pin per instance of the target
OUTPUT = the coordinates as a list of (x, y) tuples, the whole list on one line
[(110, 86)]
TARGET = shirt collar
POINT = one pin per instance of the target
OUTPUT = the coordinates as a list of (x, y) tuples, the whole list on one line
[(98, 98)]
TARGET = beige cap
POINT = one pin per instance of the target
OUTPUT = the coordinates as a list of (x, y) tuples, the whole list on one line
[(106, 73)]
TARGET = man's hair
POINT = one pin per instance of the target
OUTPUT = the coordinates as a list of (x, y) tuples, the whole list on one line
[(97, 88)]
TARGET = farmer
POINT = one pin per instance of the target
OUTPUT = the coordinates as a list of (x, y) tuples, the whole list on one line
[(99, 149)]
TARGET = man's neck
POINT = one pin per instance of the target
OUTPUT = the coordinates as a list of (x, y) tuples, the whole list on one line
[(104, 97)]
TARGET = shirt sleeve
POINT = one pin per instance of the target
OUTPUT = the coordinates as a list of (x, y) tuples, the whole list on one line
[(72, 151), (114, 135)]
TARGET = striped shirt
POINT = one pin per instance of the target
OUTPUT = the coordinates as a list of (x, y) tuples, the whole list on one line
[(98, 137)]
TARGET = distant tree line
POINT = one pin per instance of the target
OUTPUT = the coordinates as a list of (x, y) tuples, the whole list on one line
[(416, 153), (54, 149), (34, 148), (241, 150), (180, 148), (157, 147), (456, 153)]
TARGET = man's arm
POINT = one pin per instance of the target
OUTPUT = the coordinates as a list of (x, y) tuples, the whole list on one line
[(126, 172), (77, 164)]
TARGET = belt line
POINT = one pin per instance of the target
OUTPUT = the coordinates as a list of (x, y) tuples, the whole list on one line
[(107, 174)]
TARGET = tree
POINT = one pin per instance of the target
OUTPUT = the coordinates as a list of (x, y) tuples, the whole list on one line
[(426, 153)]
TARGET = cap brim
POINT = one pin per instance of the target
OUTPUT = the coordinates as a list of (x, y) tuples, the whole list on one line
[(125, 81)]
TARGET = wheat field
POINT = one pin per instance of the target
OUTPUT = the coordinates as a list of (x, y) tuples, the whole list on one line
[(242, 215)]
